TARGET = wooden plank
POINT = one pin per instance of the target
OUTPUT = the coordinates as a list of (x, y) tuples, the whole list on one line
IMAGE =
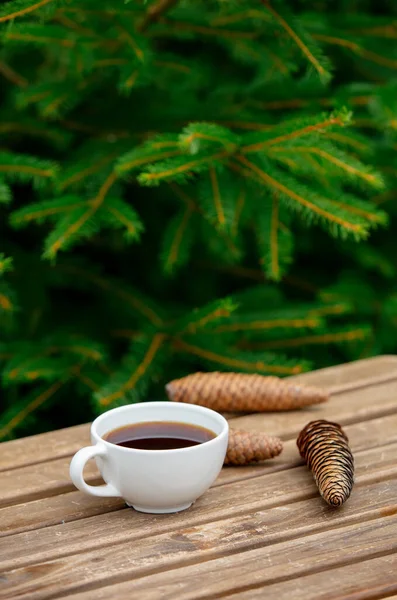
[(279, 562), (265, 565), (56, 510), (40, 480), (368, 580), (350, 407), (75, 505), (244, 531), (52, 478), (200, 539), (155, 564), (65, 442), (239, 500), (43, 447), (353, 375)]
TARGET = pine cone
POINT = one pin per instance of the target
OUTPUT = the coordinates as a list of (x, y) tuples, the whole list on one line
[(230, 392), (246, 447), (325, 448)]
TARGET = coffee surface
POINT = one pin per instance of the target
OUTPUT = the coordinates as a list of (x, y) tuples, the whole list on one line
[(159, 435)]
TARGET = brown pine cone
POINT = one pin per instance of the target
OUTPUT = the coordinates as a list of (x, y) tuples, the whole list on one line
[(247, 447), (325, 448), (244, 392)]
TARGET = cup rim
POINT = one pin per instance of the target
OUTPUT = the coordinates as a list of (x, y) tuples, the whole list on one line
[(193, 408)]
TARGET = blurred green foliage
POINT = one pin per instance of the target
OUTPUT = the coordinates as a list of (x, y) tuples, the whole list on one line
[(190, 185)]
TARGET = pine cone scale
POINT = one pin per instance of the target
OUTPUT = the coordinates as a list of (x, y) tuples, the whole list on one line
[(325, 448), (228, 392), (247, 447)]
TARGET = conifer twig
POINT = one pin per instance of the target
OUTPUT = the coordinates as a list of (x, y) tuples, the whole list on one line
[(90, 212), (91, 170), (27, 170), (177, 240), (150, 354), (308, 129), (195, 207), (303, 201), (357, 49), (266, 324), (327, 156), (146, 159), (275, 223), (24, 11), (33, 405), (235, 362), (210, 31), (12, 75), (298, 41), (239, 209), (315, 339), (155, 11), (86, 380)]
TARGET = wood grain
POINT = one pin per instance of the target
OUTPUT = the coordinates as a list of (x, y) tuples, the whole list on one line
[(348, 407), (75, 505), (55, 510), (260, 532), (353, 375), (44, 447), (65, 442), (239, 500), (38, 481), (153, 565), (368, 580)]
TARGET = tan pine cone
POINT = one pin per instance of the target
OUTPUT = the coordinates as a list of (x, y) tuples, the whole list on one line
[(228, 392), (246, 447), (325, 448)]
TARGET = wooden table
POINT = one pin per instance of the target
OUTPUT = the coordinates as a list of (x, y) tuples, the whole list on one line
[(260, 532)]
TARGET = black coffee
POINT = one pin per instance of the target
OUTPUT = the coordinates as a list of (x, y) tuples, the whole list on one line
[(159, 435)]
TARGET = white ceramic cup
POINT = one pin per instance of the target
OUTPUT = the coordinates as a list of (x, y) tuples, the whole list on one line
[(153, 481)]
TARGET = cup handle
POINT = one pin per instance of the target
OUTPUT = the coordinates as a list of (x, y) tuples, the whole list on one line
[(77, 465)]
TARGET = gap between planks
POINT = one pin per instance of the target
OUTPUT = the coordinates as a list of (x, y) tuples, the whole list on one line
[(354, 406), (321, 571), (253, 569), (51, 511), (324, 569), (359, 581), (65, 442), (224, 559), (352, 582), (280, 497), (387, 473), (242, 532), (49, 479)]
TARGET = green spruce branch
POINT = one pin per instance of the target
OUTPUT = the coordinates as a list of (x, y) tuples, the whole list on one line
[(191, 150)]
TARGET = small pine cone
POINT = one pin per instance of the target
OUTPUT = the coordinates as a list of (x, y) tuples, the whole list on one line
[(325, 448), (231, 392), (247, 447)]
